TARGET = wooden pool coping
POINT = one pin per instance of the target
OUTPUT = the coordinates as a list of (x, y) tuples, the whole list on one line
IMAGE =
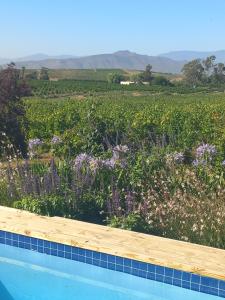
[(169, 253)]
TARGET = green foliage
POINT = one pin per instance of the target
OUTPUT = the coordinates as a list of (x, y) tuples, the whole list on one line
[(43, 75), (197, 72), (161, 80), (115, 78), (12, 120), (45, 205)]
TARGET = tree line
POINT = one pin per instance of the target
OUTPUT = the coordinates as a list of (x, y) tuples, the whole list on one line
[(204, 72)]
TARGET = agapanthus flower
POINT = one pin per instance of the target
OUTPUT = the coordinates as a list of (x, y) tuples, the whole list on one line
[(199, 162), (34, 143), (56, 140), (223, 163), (109, 163), (206, 149), (81, 159)]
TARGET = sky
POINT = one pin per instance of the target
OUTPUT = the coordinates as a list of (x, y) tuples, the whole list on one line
[(85, 27)]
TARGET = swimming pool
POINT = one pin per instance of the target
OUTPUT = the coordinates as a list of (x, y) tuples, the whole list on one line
[(26, 274)]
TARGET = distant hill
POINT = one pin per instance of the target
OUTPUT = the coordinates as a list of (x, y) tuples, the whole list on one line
[(117, 60), (190, 55), (34, 57)]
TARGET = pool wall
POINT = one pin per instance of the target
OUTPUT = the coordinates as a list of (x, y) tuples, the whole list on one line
[(167, 275)]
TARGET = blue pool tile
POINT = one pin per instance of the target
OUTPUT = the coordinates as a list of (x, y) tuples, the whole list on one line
[(195, 278), (168, 272), (103, 256), (127, 262), (8, 235), (40, 243), (159, 278), (74, 256), (168, 280), (96, 255), (177, 274), (142, 274), (119, 260), (34, 247), (127, 269), (81, 251), (151, 276), (186, 284), (75, 250), (22, 239), (46, 244), (53, 246), (135, 264), (89, 260), (53, 252), (40, 249), (143, 266), (112, 259), (186, 276), (89, 253), (222, 293), (68, 248), (151, 268), (209, 282), (209, 290), (103, 264), (61, 247), (96, 262), (47, 250), (134, 272), (177, 282), (195, 286), (222, 285), (160, 270), (68, 255), (111, 266)]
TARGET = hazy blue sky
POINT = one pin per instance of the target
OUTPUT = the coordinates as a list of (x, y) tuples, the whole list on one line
[(83, 27)]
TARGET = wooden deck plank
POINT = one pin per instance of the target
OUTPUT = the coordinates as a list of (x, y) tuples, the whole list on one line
[(184, 256)]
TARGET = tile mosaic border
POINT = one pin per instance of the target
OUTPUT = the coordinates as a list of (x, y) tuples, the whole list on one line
[(145, 270)]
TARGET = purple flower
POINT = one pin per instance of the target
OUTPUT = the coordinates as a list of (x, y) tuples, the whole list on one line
[(206, 150), (223, 163), (56, 140), (81, 159), (34, 143), (199, 162), (109, 163)]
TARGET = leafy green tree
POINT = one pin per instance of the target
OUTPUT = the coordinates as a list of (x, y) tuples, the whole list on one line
[(147, 75), (32, 76), (138, 78), (44, 74), (193, 72), (115, 78), (161, 80), (12, 113), (218, 76)]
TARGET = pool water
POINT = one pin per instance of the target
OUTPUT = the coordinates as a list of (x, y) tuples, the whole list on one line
[(26, 275)]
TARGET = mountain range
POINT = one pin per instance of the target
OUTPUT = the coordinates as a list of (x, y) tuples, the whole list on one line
[(190, 55), (171, 62), (118, 60)]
